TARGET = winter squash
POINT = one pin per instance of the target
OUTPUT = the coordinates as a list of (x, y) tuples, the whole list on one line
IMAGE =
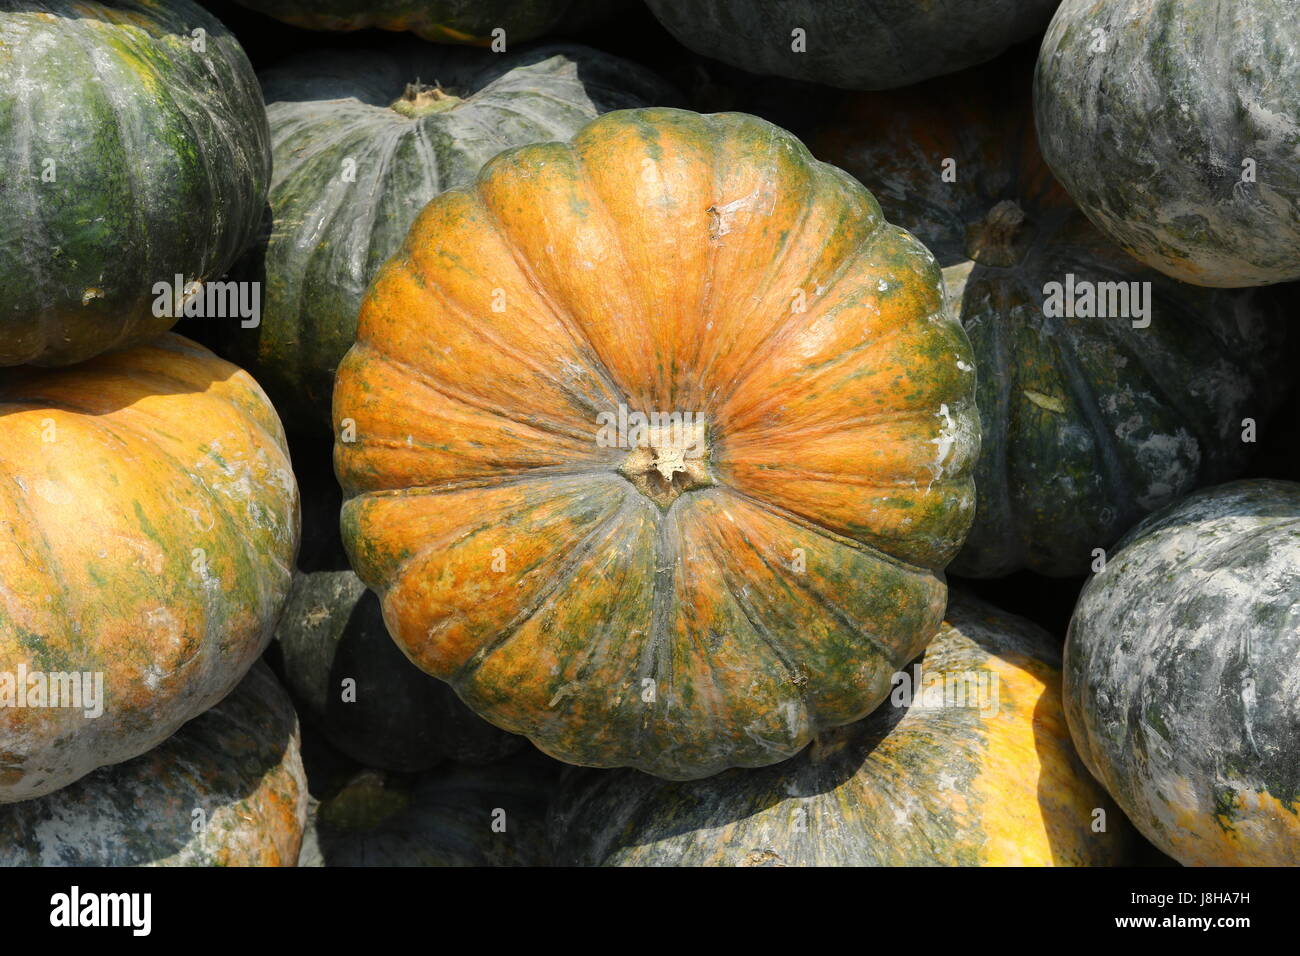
[(969, 763), (136, 149), (1180, 672), (459, 816), (1100, 400), (442, 21), (854, 44), (150, 520), (1173, 125), (351, 681), (665, 473), (235, 770), (360, 145)]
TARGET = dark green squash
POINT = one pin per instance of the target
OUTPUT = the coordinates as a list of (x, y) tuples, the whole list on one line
[(228, 789), (1181, 669), (129, 157), (460, 816), (1088, 423), (443, 21), (854, 44), (969, 763), (1175, 125), (359, 149)]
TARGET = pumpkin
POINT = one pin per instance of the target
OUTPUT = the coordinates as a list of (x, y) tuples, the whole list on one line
[(442, 21), (654, 445), (854, 44), (1174, 124), (460, 816), (351, 681), (1088, 422), (227, 789), (150, 520), (360, 146), (136, 149), (970, 763), (1181, 667)]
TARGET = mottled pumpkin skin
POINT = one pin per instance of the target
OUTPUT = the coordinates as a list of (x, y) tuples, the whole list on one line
[(150, 520), (352, 170), (442, 21), (1088, 424), (1149, 134), (161, 161), (672, 263), (400, 718), (995, 782), (239, 763), (448, 817), (1181, 669), (854, 44)]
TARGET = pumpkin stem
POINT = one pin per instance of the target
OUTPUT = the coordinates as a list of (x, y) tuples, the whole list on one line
[(669, 461), (421, 99), (1000, 239)]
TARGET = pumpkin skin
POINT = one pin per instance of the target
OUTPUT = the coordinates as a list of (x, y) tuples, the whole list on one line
[(161, 157), (565, 588), (349, 114), (150, 522), (853, 44), (1088, 424), (238, 762), (442, 818), (442, 21), (992, 783), (1180, 672), (1150, 135)]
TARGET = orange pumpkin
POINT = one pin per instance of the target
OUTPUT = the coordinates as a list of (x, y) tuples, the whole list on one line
[(148, 526), (709, 590)]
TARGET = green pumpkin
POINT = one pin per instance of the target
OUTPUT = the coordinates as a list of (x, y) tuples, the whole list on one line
[(442, 21), (1175, 125), (854, 44), (238, 764), (1181, 669), (135, 148), (1088, 423), (969, 763), (362, 140), (461, 816)]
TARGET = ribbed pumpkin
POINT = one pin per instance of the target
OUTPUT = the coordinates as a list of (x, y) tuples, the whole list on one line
[(460, 816), (360, 146), (392, 715), (855, 44), (130, 157), (970, 764), (238, 764), (710, 590), (442, 21), (1181, 669), (150, 520), (1088, 423), (1175, 126)]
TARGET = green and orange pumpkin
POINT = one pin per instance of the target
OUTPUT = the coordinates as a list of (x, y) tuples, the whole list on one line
[(135, 149), (969, 764), (1175, 125), (1181, 669), (227, 789), (1092, 416), (750, 567), (150, 521)]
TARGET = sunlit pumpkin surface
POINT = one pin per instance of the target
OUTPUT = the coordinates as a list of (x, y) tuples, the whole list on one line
[(691, 597), (969, 764)]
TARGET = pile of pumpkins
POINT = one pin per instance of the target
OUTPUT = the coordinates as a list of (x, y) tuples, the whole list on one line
[(578, 445)]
